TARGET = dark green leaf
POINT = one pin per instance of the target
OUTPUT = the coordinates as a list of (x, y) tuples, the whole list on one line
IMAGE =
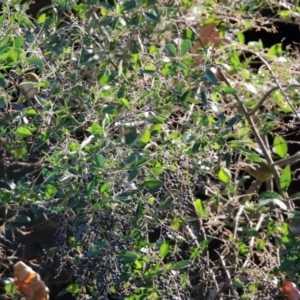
[(3, 82), (90, 187), (128, 257), (139, 211), (182, 264), (99, 160), (203, 98), (170, 49), (132, 174), (127, 6), (233, 121), (153, 184), (211, 77), (151, 17), (36, 62)]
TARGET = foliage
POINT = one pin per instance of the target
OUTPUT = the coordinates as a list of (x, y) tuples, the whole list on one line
[(143, 139)]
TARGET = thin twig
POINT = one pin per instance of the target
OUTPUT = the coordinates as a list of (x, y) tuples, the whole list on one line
[(277, 82)]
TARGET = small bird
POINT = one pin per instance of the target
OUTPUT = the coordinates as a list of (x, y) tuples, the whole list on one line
[(28, 87), (294, 226), (260, 170)]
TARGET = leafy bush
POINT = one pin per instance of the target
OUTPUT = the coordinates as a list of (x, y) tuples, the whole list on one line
[(143, 131)]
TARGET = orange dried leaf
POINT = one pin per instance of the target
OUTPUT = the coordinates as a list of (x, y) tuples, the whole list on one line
[(29, 283)]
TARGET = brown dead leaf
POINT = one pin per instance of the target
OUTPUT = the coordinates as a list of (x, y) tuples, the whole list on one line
[(290, 290), (29, 283), (208, 34)]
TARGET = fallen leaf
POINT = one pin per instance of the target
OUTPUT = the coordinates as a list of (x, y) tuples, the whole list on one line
[(29, 283), (290, 290)]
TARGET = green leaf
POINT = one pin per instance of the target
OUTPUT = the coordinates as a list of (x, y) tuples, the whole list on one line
[(3, 82), (243, 248), (227, 90), (199, 207), (276, 50), (23, 132), (241, 37), (2, 18), (139, 211), (132, 174), (73, 288), (153, 184), (234, 120), (185, 96), (127, 6), (145, 137), (42, 18), (185, 47), (10, 288), (96, 130), (90, 187), (30, 112), (285, 178), (96, 207), (151, 17), (105, 187), (170, 49), (105, 78), (235, 60), (182, 264), (238, 283), (211, 77), (18, 43), (280, 146), (36, 62), (50, 191), (128, 257), (261, 244), (203, 98), (195, 253), (125, 103), (224, 175), (269, 195), (99, 160), (163, 250), (272, 201)]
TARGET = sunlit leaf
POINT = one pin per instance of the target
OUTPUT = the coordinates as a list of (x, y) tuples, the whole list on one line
[(280, 146), (163, 250), (23, 132), (224, 175), (144, 138), (285, 178), (199, 207)]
